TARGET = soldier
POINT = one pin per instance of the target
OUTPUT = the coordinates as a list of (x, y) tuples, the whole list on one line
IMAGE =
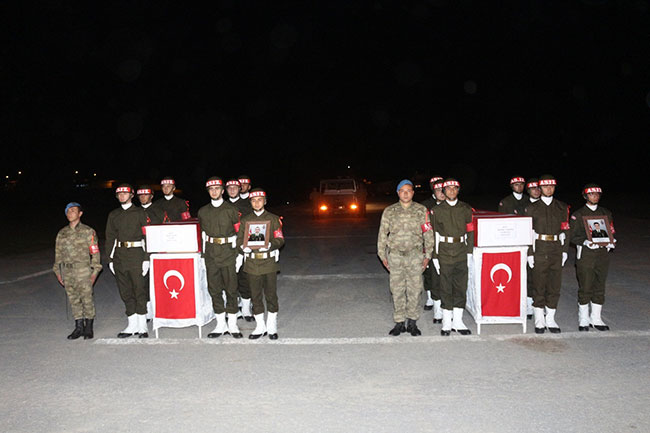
[(516, 202), (128, 260), (261, 267), (548, 254), (454, 242), (76, 265), (431, 277), (233, 187), (219, 221), (534, 193), (592, 260), (173, 208), (245, 183), (154, 213), (404, 246)]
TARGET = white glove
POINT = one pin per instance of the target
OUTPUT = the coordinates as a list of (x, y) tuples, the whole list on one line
[(610, 247), (264, 249), (565, 256), (111, 267), (531, 261), (436, 264), (590, 245), (246, 249), (238, 262), (145, 268)]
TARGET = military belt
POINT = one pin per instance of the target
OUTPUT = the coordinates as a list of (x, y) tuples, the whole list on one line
[(257, 255), (452, 240), (74, 265), (405, 253), (221, 241), (551, 238), (130, 244)]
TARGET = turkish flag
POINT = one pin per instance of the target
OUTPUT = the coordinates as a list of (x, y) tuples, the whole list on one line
[(174, 288), (501, 284)]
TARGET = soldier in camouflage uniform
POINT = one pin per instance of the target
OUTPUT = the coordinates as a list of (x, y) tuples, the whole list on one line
[(592, 260), (516, 202), (128, 260), (76, 265), (548, 254), (431, 277), (454, 243), (233, 187), (534, 193), (261, 266), (404, 245), (219, 222), (172, 207)]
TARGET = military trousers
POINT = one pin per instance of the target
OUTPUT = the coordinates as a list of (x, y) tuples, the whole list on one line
[(243, 285), (453, 283), (264, 288), (222, 279), (529, 282), (133, 289), (432, 282), (591, 270), (406, 284), (547, 274), (80, 292)]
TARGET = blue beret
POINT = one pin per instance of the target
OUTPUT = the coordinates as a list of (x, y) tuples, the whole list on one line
[(72, 204), (402, 183)]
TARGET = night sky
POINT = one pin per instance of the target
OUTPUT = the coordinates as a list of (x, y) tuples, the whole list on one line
[(288, 94)]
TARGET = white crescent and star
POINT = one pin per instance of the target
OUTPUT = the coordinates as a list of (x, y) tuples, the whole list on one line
[(173, 273), (497, 267)]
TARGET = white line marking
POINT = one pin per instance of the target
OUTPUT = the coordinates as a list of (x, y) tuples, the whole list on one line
[(332, 276), (26, 277), (227, 340)]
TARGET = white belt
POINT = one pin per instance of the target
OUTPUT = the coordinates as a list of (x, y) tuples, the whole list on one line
[(130, 244), (551, 238), (221, 241), (452, 240), (265, 255)]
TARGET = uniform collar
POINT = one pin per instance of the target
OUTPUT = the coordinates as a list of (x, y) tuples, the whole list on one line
[(145, 206), (244, 195), (452, 203), (233, 200), (169, 197), (518, 195), (260, 212), (547, 200), (217, 203), (127, 205), (593, 207)]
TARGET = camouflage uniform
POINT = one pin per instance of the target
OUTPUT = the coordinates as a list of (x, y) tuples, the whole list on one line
[(76, 261), (405, 239)]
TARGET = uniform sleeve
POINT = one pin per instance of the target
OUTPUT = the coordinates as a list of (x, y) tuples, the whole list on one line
[(528, 212), (469, 227), (278, 237), (111, 237), (57, 255), (566, 229), (95, 256), (428, 236), (382, 237), (143, 223), (240, 234), (576, 234)]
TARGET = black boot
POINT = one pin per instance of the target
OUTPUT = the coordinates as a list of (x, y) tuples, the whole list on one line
[(412, 328), (88, 329), (78, 329), (397, 329)]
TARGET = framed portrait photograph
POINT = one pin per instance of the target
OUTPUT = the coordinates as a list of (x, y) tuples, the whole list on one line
[(257, 234), (597, 228)]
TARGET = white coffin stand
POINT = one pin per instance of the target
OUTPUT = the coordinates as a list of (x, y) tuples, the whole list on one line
[(498, 233)]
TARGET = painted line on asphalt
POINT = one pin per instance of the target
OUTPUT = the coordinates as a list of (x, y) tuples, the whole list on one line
[(332, 276), (26, 277), (226, 340)]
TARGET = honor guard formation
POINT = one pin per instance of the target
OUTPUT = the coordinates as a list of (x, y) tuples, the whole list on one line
[(426, 246)]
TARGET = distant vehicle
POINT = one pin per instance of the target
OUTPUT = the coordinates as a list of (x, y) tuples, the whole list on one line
[(340, 196)]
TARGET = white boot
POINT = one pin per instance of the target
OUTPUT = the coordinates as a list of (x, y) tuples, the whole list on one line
[(233, 329), (272, 325), (550, 321), (131, 327), (583, 317), (446, 322), (437, 311), (142, 326), (429, 303), (529, 307), (221, 328), (260, 327), (540, 321), (246, 309), (457, 322), (596, 321)]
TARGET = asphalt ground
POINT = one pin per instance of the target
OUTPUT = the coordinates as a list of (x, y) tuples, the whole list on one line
[(334, 368)]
